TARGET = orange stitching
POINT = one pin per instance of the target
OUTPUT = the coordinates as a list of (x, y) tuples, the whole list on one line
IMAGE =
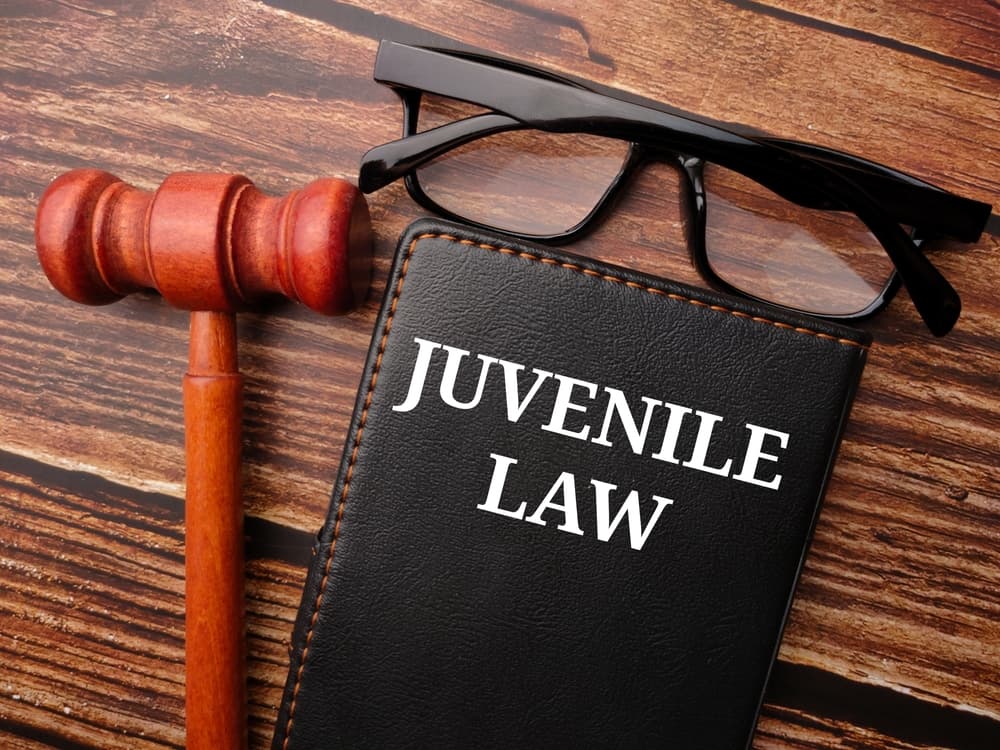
[(635, 285), (343, 495), (378, 366)]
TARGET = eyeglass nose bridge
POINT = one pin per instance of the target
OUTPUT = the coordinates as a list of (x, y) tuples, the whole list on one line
[(695, 200), (691, 196)]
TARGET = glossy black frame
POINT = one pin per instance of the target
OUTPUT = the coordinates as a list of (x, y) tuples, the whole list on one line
[(521, 96)]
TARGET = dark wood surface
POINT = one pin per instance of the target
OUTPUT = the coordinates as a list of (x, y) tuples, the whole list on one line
[(894, 637)]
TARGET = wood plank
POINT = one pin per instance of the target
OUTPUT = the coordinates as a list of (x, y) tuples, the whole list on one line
[(900, 593), (95, 628), (959, 34)]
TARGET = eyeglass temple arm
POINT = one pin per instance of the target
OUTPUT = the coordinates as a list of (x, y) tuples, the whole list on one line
[(907, 199), (548, 102), (932, 294), (388, 162), (391, 161)]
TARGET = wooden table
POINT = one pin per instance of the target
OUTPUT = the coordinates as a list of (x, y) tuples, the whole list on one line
[(894, 638)]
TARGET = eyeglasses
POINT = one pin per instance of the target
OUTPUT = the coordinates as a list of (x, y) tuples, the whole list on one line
[(503, 145)]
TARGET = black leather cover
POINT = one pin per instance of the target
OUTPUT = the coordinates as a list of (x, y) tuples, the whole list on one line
[(437, 615)]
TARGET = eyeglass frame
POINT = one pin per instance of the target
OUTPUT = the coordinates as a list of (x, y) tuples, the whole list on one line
[(524, 97)]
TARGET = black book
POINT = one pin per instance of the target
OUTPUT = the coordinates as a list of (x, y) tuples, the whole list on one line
[(572, 508)]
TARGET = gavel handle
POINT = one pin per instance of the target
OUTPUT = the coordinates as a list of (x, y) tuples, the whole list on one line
[(215, 631)]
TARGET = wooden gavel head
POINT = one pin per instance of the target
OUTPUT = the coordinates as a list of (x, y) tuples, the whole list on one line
[(205, 241)]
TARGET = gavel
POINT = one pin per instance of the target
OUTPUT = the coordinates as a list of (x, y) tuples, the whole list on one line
[(212, 244)]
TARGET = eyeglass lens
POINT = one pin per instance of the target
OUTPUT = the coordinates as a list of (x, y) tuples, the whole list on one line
[(523, 181), (824, 262)]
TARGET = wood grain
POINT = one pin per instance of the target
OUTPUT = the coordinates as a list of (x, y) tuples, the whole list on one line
[(894, 638), (214, 617)]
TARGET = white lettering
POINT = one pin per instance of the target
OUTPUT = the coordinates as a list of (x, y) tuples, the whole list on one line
[(570, 413), (606, 526), (563, 404), (424, 350), (455, 357), (515, 407), (703, 442), (755, 453), (571, 522), (673, 431), (495, 494), (636, 436)]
